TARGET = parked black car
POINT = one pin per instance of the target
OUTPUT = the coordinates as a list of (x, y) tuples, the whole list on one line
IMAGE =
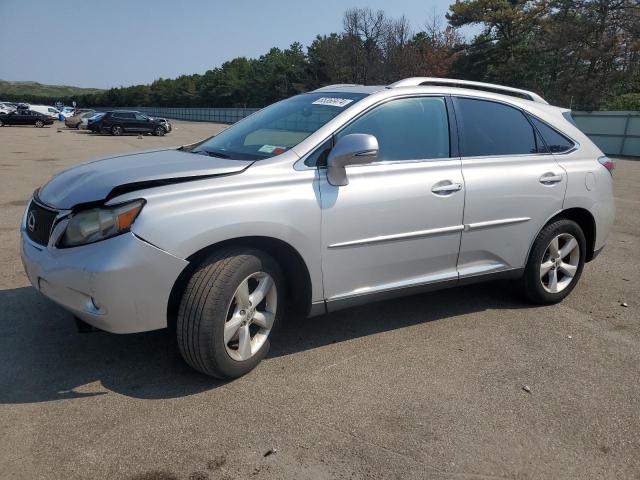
[(94, 122), (24, 116), (121, 121)]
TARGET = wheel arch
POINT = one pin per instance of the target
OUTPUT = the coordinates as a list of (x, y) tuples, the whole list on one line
[(584, 219), (294, 267)]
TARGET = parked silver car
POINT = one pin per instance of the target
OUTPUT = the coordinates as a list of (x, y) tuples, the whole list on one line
[(344, 195)]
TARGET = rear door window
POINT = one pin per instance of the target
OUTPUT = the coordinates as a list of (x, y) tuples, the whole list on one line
[(493, 129)]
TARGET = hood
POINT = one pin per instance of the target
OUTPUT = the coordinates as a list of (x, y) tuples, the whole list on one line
[(107, 177)]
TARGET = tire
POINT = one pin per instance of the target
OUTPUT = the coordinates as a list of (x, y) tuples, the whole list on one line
[(39, 124), (116, 130), (210, 307), (159, 131), (79, 126), (544, 264), (1, 123)]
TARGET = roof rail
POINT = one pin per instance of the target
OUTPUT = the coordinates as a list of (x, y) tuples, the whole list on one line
[(452, 82), (336, 85)]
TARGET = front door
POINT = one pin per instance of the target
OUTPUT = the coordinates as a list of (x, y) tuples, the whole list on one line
[(398, 222), (512, 186)]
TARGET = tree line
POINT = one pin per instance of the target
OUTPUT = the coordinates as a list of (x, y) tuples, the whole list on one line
[(575, 53)]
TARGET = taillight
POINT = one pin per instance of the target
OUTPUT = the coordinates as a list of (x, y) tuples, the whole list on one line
[(607, 163)]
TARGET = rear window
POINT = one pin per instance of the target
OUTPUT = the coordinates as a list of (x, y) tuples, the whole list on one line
[(554, 141), (125, 115)]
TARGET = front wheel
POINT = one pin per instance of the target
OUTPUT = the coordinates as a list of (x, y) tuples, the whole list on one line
[(555, 262), (228, 310), (1, 123), (159, 131), (39, 124)]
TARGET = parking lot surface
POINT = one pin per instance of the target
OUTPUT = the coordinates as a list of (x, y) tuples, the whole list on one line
[(429, 386)]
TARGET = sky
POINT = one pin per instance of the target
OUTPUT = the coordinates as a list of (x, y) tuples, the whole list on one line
[(115, 43)]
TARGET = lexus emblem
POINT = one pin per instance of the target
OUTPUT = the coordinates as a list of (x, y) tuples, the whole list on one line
[(31, 221)]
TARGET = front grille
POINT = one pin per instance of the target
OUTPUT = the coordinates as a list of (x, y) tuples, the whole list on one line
[(39, 223)]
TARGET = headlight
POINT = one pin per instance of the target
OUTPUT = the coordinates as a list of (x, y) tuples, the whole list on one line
[(97, 224)]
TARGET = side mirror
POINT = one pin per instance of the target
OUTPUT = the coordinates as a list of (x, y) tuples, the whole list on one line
[(352, 149)]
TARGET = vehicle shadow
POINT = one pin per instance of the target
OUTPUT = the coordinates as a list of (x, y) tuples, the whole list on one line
[(44, 358)]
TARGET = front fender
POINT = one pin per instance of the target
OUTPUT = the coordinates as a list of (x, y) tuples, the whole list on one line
[(184, 219)]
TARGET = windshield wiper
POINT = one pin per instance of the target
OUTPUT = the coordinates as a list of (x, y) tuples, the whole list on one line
[(213, 153)]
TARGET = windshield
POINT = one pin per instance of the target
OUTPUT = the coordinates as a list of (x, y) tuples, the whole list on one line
[(275, 129)]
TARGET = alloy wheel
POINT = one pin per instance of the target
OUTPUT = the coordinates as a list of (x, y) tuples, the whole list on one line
[(560, 263), (250, 316)]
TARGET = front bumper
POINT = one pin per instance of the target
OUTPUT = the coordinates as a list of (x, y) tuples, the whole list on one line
[(121, 285)]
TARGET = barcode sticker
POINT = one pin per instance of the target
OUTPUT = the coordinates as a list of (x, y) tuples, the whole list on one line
[(333, 102)]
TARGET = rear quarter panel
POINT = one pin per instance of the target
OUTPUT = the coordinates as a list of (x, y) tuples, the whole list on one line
[(589, 184)]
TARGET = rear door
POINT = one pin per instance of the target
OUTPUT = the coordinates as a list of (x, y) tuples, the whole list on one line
[(24, 117), (143, 123), (398, 222), (513, 185), (125, 119)]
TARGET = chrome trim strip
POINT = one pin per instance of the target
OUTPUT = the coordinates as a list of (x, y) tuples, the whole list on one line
[(429, 233), (495, 223), (398, 236)]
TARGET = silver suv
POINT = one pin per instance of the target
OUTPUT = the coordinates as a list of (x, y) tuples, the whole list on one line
[(329, 199)]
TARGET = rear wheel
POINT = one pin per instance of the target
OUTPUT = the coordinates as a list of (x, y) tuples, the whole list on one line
[(228, 310), (79, 126), (1, 123), (116, 130), (39, 124), (555, 262)]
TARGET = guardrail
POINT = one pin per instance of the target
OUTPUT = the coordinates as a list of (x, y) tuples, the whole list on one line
[(615, 133)]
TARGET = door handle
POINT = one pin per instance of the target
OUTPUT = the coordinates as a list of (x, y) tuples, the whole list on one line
[(442, 188), (550, 178)]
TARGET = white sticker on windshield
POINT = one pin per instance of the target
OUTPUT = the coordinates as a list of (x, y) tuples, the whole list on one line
[(333, 102), (267, 148)]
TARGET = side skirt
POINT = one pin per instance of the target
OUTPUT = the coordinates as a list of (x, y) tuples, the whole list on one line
[(319, 308)]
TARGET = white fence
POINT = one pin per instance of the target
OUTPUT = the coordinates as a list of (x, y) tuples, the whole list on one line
[(615, 133)]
